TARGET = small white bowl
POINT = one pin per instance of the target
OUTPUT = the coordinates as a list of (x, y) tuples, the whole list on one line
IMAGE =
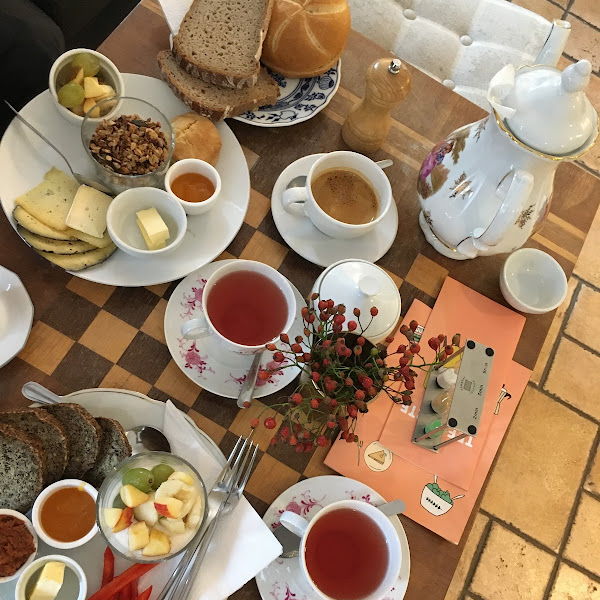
[(194, 165), (122, 225), (532, 281), (106, 65), (37, 509), (22, 517), (35, 566)]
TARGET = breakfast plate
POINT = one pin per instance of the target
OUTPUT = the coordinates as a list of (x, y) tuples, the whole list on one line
[(24, 159), (299, 99), (16, 315), (312, 244), (208, 365), (282, 579)]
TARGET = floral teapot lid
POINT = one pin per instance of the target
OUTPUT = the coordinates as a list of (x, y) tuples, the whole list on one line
[(545, 108)]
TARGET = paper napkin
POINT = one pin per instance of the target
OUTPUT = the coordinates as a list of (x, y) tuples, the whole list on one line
[(243, 545), (174, 12)]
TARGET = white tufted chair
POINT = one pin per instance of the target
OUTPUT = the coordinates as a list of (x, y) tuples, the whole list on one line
[(461, 43)]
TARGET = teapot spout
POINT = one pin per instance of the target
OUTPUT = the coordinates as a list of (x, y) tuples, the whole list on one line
[(555, 43)]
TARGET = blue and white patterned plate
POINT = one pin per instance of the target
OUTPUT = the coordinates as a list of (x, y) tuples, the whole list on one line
[(299, 99)]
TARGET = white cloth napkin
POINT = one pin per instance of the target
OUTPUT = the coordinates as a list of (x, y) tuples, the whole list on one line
[(501, 86), (174, 12), (243, 545)]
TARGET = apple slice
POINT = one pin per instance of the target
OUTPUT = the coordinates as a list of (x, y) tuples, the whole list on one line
[(125, 520), (196, 513), (159, 543), (139, 536), (185, 493), (78, 77), (146, 511), (173, 526), (107, 92), (132, 497), (169, 489), (91, 87), (187, 506), (88, 104), (181, 476), (169, 507), (112, 516)]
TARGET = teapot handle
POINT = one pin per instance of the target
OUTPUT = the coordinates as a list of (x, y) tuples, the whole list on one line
[(514, 203)]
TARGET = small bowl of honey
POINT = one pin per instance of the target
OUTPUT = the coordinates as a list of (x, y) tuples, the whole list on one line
[(64, 514), (195, 183)]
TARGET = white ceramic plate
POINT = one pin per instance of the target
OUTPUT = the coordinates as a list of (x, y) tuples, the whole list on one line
[(311, 243), (16, 315), (281, 579), (204, 361), (130, 409), (24, 159), (299, 99)]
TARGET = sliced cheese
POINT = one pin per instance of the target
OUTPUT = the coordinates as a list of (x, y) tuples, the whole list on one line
[(23, 218), (88, 211), (102, 242), (49, 582), (153, 228)]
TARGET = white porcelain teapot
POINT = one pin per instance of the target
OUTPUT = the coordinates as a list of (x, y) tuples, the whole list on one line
[(487, 187)]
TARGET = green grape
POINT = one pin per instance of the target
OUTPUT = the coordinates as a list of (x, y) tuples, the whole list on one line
[(161, 474), (71, 95), (140, 478), (88, 62), (118, 502)]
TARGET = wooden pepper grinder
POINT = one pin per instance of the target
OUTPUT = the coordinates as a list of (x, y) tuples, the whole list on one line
[(368, 123)]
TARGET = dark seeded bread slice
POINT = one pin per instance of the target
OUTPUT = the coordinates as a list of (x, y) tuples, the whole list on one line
[(84, 435), (21, 469), (48, 432), (220, 41), (213, 101), (114, 448)]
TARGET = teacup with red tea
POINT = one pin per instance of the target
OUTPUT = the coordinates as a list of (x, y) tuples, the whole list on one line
[(348, 551)]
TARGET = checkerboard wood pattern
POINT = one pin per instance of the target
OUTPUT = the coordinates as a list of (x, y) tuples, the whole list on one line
[(88, 335)]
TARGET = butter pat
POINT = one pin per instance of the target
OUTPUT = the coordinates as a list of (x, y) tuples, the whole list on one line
[(49, 582), (88, 211), (153, 228)]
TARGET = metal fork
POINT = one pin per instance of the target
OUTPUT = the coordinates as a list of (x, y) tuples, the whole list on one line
[(223, 498)]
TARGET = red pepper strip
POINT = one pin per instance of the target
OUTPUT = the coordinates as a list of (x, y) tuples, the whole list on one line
[(108, 571), (122, 581), (145, 594), (134, 589)]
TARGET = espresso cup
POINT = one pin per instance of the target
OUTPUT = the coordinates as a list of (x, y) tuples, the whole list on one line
[(202, 326), (301, 201), (302, 528)]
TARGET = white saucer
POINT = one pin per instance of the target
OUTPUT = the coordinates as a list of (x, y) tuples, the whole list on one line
[(16, 315), (281, 580), (204, 361), (313, 245)]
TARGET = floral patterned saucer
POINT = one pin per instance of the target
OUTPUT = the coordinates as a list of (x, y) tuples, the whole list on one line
[(205, 362), (282, 579), (299, 99)]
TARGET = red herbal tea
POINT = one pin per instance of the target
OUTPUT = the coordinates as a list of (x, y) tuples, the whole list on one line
[(247, 308), (346, 554)]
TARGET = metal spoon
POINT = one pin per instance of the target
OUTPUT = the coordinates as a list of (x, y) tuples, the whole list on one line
[(142, 438), (250, 383), (82, 179), (291, 542), (300, 181)]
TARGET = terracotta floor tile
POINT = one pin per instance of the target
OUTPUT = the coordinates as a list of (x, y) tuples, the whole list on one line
[(584, 322), (571, 584), (212, 429), (588, 10), (584, 42), (511, 568), (94, 292), (264, 249), (458, 581), (527, 472), (592, 481), (588, 264), (121, 379), (569, 377), (262, 435), (559, 317), (257, 209), (155, 323), (270, 478), (172, 381), (583, 546), (426, 275), (108, 336), (541, 7), (45, 348)]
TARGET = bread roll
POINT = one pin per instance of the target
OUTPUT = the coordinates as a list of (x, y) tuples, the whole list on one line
[(306, 37), (196, 137)]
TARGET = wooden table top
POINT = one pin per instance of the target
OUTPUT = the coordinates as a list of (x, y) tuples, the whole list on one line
[(65, 352)]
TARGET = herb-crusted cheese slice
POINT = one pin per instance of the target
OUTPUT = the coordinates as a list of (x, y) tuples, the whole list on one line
[(88, 211)]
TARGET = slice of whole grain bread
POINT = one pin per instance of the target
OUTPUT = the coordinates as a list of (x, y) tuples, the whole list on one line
[(220, 41), (114, 448), (48, 432), (210, 100), (21, 469), (84, 435)]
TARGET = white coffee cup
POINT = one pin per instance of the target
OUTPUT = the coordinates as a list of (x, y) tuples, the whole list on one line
[(202, 326), (302, 528), (301, 202)]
